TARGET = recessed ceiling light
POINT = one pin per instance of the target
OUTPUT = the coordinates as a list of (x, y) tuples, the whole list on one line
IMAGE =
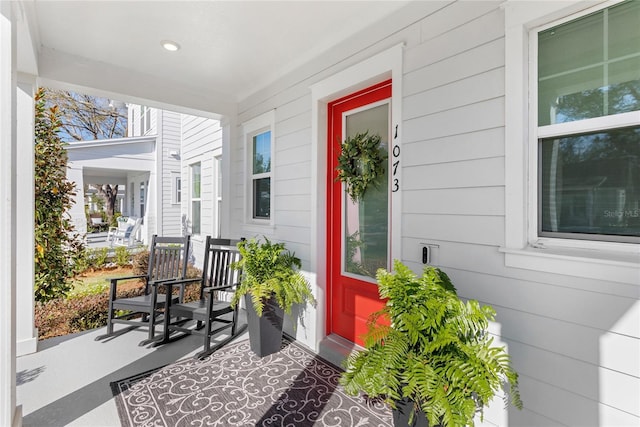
[(171, 46)]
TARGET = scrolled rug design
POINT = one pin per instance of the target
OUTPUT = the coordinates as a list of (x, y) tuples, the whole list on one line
[(234, 387)]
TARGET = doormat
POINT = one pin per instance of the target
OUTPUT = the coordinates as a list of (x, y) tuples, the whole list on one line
[(234, 387)]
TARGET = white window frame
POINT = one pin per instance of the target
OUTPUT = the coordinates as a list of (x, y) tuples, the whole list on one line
[(217, 161), (143, 197), (195, 199), (256, 126), (611, 261)]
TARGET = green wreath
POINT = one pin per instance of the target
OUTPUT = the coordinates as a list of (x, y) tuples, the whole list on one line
[(361, 162)]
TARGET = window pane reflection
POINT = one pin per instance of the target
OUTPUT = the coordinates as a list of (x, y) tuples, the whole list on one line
[(590, 67), (590, 184)]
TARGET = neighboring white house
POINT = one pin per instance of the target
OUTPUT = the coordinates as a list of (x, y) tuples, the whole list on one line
[(165, 150), (488, 110), (201, 181)]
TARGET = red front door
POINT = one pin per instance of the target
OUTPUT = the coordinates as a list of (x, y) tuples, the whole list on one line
[(358, 233)]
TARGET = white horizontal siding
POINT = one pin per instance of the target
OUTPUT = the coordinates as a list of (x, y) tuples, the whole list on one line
[(575, 341), (199, 135), (467, 173), (455, 201), (297, 186), (481, 230), (466, 119), (469, 146), (476, 61), (454, 41)]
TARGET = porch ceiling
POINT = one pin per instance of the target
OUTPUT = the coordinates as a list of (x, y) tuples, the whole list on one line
[(229, 50), (99, 176)]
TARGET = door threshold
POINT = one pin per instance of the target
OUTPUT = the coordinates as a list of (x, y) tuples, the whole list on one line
[(336, 349)]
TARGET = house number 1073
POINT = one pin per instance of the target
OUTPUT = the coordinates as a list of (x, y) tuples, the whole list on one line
[(396, 163)]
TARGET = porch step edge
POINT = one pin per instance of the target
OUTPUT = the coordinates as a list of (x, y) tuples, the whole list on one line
[(336, 349)]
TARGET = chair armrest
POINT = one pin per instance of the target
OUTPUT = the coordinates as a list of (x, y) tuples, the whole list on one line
[(117, 279), (217, 288), (113, 284), (172, 282)]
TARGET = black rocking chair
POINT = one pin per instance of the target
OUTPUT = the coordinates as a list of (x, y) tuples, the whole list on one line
[(168, 258), (216, 286)]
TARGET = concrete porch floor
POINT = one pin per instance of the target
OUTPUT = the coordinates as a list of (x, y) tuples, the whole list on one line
[(67, 381)]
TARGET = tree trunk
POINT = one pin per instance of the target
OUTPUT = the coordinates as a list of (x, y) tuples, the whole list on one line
[(109, 194)]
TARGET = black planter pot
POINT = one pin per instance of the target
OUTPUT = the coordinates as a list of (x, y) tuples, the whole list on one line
[(265, 333), (402, 412)]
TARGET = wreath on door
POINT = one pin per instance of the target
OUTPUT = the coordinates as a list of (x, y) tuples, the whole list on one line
[(361, 163)]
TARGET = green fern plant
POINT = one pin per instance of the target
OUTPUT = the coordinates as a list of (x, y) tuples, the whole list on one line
[(432, 349), (270, 270)]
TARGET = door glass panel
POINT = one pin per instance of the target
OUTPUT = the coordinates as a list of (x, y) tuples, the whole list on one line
[(366, 229)]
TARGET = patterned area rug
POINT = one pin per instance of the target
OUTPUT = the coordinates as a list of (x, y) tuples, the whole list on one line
[(234, 387)]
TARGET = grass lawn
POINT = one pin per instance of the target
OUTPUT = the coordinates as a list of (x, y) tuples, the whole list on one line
[(97, 282)]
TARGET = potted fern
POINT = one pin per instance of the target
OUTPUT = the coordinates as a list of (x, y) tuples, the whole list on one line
[(431, 358), (271, 284)]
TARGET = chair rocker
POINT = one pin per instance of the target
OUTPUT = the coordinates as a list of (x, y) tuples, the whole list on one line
[(167, 261), (216, 285)]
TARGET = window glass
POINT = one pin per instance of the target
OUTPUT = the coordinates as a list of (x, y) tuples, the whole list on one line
[(262, 198), (142, 198), (195, 217), (366, 222), (262, 153), (588, 67), (195, 183), (132, 199), (590, 185), (178, 190), (195, 198), (218, 164)]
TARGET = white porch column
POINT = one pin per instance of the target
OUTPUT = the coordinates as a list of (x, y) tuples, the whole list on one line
[(26, 333), (9, 414), (152, 201), (229, 134)]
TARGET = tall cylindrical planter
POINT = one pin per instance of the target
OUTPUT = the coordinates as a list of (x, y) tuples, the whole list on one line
[(401, 415), (265, 332)]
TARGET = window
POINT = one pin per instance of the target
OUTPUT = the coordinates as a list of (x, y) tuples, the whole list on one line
[(132, 199), (571, 137), (195, 198), (145, 119), (588, 86), (176, 187), (261, 175), (142, 198), (218, 165), (259, 148)]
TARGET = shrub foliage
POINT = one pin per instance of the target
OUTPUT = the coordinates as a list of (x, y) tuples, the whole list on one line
[(63, 316), (57, 245)]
